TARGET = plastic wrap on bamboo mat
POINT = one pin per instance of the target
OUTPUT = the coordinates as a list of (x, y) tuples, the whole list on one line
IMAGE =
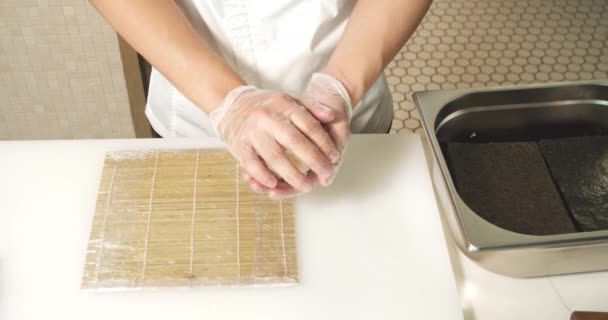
[(184, 218)]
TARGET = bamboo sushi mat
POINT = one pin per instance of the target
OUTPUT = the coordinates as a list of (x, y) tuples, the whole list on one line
[(184, 218)]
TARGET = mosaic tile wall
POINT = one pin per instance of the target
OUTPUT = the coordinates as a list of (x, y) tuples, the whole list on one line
[(60, 73), (60, 69), (481, 43)]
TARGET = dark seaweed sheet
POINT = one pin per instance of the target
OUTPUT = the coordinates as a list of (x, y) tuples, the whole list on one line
[(509, 185), (579, 166)]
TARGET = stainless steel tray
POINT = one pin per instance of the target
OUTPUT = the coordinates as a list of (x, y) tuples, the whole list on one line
[(514, 114)]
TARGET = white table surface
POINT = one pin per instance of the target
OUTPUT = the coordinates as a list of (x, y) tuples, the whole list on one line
[(369, 247), (487, 295)]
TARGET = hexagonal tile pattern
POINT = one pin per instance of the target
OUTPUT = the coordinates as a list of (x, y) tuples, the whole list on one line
[(484, 43)]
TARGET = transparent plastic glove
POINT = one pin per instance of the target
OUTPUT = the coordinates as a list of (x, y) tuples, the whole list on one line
[(260, 127), (328, 100), (324, 94)]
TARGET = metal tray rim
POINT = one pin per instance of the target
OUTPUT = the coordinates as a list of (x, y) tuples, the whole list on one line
[(475, 242)]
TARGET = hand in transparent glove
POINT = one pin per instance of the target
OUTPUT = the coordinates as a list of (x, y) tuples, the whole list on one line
[(260, 127), (329, 101)]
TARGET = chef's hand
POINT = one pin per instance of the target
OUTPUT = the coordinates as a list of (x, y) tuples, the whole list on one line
[(328, 100), (326, 93), (260, 126)]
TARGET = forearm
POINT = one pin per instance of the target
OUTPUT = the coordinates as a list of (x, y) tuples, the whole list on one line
[(163, 35), (375, 33)]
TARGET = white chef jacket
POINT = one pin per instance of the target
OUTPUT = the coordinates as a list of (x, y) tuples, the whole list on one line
[(271, 44)]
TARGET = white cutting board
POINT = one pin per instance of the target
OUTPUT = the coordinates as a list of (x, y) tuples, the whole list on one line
[(369, 247)]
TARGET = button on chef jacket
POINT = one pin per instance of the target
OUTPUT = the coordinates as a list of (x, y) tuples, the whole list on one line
[(271, 44)]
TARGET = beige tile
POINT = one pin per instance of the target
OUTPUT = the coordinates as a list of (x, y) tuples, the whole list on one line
[(60, 57), (53, 57), (475, 43)]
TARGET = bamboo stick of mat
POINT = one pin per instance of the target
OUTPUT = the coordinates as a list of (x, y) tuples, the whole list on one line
[(184, 218)]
